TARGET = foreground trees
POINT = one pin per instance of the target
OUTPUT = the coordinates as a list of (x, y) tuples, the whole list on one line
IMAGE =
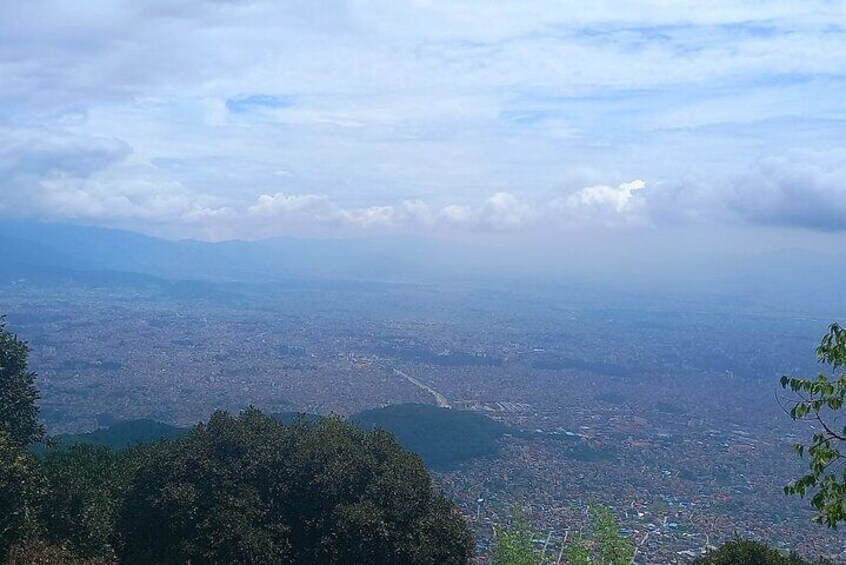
[(820, 402), (744, 552), (19, 423), (602, 545), (20, 484), (240, 490), (249, 490)]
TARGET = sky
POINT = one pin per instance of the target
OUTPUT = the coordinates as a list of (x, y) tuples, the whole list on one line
[(528, 120)]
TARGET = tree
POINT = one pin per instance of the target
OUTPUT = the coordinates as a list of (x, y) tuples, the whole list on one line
[(20, 485), (247, 490), (820, 401), (42, 553), (605, 545), (84, 488), (18, 395), (21, 488), (744, 552), (611, 548), (513, 545)]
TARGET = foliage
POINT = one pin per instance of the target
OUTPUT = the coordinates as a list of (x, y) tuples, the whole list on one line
[(513, 546), (606, 546), (121, 435), (243, 489), (249, 490), (42, 553), (18, 395), (441, 437), (610, 547), (744, 552), (85, 486), (20, 484), (20, 490), (820, 400)]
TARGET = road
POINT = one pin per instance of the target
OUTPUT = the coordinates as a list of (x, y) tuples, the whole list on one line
[(440, 399)]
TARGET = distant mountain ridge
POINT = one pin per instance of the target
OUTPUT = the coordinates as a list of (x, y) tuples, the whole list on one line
[(29, 245), (795, 278)]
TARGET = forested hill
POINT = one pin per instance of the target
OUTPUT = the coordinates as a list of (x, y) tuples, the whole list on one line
[(441, 437)]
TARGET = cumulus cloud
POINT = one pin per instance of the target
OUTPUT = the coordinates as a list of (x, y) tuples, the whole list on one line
[(56, 175), (791, 192), (405, 115), (61, 177), (283, 204), (44, 153), (804, 191), (798, 191), (501, 212), (603, 205)]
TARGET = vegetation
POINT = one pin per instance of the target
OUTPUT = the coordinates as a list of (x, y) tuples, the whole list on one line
[(85, 485), (242, 489), (237, 489), (442, 437), (42, 553), (515, 545), (20, 484), (19, 423), (744, 552), (247, 489), (820, 401), (603, 546), (122, 435)]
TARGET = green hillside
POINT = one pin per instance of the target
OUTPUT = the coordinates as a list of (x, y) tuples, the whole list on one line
[(441, 437)]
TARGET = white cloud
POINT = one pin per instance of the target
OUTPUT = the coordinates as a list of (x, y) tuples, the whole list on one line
[(602, 197), (406, 115), (56, 175), (282, 204)]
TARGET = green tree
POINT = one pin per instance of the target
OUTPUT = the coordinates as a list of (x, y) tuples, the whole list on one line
[(21, 488), (820, 401), (18, 395), (605, 545), (84, 488), (247, 490), (20, 484), (513, 545), (611, 548), (744, 552), (42, 553)]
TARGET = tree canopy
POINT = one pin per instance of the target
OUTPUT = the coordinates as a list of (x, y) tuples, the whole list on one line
[(19, 422), (820, 402), (442, 437), (602, 545), (242, 489), (20, 484), (745, 552), (247, 489)]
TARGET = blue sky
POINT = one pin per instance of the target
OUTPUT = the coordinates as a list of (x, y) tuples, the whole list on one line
[(222, 119)]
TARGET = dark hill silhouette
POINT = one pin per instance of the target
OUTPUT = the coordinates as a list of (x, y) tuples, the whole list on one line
[(441, 437)]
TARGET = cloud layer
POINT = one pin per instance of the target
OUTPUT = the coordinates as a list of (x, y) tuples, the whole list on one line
[(95, 180), (252, 117)]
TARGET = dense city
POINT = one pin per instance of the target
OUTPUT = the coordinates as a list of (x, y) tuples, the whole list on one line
[(679, 428)]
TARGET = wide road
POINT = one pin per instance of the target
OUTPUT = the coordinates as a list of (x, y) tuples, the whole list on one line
[(440, 399)]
